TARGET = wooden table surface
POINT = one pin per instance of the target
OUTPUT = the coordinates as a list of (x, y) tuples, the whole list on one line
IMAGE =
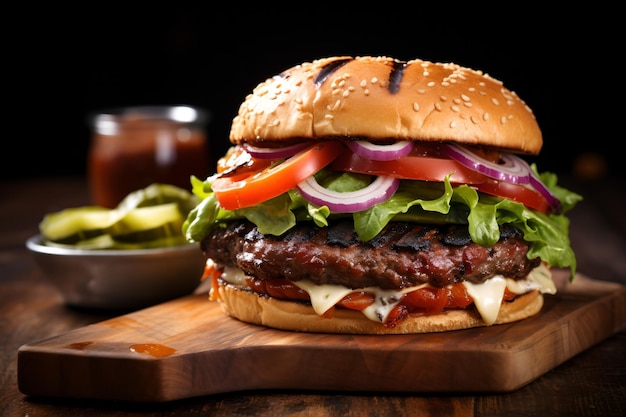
[(592, 383)]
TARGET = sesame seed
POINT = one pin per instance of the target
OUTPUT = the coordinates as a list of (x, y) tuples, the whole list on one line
[(443, 98), (464, 97), (453, 124), (457, 101), (421, 91), (329, 116), (363, 83), (495, 101), (485, 116), (416, 106), (438, 107), (374, 80), (431, 84), (445, 83), (346, 93), (425, 73), (366, 92), (467, 104), (455, 109), (503, 120), (474, 120)]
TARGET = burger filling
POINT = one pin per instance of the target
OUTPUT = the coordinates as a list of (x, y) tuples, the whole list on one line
[(407, 269), (391, 230)]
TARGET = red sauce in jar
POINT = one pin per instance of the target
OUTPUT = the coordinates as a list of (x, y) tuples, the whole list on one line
[(129, 153)]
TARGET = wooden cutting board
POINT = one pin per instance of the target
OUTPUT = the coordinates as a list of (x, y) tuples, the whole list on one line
[(187, 347)]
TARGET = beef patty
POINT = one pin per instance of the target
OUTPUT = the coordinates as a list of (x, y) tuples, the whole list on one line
[(402, 255)]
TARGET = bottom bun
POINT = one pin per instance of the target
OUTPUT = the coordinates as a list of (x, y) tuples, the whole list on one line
[(254, 308)]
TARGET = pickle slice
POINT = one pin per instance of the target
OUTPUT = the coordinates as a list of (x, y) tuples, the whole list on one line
[(150, 217), (75, 221), (156, 194), (145, 218)]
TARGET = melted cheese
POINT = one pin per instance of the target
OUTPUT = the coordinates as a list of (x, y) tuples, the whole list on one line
[(325, 296), (234, 276), (487, 296)]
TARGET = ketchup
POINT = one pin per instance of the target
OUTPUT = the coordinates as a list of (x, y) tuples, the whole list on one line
[(135, 147)]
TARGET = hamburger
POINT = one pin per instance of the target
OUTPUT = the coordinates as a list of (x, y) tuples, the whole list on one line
[(370, 195)]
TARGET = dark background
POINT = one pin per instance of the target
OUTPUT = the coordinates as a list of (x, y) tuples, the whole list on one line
[(75, 62)]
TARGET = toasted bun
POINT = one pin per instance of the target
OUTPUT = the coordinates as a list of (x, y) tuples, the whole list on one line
[(266, 311), (381, 98)]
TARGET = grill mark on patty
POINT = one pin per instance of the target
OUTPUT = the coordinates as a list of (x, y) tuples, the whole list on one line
[(342, 234)]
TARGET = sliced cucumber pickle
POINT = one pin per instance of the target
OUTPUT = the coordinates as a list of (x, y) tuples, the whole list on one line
[(74, 221), (150, 217)]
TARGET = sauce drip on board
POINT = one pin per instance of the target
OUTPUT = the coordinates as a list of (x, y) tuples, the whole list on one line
[(153, 349)]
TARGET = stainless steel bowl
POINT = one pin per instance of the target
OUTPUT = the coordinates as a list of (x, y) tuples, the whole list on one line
[(119, 279)]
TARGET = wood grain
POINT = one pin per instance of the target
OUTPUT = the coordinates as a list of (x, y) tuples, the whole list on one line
[(191, 349)]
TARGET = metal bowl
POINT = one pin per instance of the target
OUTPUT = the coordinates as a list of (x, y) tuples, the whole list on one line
[(119, 279)]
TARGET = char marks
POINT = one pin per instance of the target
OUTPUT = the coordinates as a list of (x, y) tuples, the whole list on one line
[(329, 69), (395, 77)]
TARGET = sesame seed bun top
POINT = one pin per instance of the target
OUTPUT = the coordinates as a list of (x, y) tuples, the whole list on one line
[(382, 98)]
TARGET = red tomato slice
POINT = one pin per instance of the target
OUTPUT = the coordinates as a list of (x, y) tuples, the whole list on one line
[(416, 166), (428, 300), (458, 296), (247, 189), (358, 300), (411, 167), (515, 192)]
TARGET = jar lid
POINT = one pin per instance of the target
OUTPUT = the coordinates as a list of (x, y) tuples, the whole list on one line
[(105, 120)]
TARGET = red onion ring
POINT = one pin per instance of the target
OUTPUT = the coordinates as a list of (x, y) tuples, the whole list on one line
[(379, 152), (275, 153), (553, 202), (349, 202), (513, 169)]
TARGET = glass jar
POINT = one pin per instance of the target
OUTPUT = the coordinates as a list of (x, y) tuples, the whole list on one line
[(133, 147)]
